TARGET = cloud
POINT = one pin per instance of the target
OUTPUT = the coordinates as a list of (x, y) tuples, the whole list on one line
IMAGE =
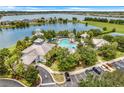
[(78, 9), (7, 8), (57, 8)]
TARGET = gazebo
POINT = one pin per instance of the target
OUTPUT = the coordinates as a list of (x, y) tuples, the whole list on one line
[(38, 41), (38, 32), (85, 35)]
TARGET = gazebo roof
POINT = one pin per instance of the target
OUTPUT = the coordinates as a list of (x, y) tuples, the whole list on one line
[(38, 33), (38, 40), (84, 35)]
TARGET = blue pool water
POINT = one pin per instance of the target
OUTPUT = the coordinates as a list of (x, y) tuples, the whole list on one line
[(66, 43)]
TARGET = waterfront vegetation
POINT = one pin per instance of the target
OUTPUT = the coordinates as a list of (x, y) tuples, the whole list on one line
[(12, 67), (113, 79)]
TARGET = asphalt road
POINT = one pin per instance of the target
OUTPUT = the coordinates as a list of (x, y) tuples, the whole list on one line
[(75, 79), (46, 77), (9, 83)]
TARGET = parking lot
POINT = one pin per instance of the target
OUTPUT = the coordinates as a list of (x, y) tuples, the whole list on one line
[(96, 70), (74, 79)]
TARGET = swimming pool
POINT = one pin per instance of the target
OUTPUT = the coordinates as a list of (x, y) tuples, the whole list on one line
[(67, 44)]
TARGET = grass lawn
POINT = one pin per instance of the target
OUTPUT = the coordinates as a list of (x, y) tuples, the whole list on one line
[(120, 54), (58, 77), (55, 66), (119, 28), (11, 48)]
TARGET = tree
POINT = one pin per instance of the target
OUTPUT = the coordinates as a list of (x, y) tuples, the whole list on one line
[(4, 54), (114, 30), (108, 52), (86, 24), (10, 64), (74, 19), (114, 79), (120, 41), (74, 31), (27, 38), (68, 63), (96, 32), (104, 28), (3, 68), (88, 55), (20, 69), (31, 75), (109, 38)]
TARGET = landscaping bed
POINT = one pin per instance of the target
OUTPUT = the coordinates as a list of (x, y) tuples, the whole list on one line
[(60, 78)]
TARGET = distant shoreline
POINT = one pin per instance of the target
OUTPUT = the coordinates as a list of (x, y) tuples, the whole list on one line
[(116, 14)]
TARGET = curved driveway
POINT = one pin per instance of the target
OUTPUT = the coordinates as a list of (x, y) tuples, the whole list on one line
[(46, 77), (9, 83)]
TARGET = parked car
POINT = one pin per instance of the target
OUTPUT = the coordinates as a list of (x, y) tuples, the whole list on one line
[(121, 62), (115, 65), (109, 68), (104, 68), (96, 70), (67, 76), (109, 64), (100, 69)]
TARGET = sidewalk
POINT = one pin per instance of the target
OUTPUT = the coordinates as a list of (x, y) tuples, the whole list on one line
[(81, 70)]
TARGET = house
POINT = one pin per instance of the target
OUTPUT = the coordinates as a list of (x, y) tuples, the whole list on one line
[(36, 52), (85, 35), (99, 42)]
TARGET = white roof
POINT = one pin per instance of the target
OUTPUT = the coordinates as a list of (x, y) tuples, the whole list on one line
[(38, 40), (30, 57), (31, 53), (38, 33), (84, 35), (99, 42)]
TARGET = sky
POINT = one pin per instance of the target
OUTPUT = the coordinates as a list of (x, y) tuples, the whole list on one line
[(61, 8)]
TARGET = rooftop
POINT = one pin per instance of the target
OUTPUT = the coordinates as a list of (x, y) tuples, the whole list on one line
[(99, 42), (84, 35), (32, 52), (38, 40)]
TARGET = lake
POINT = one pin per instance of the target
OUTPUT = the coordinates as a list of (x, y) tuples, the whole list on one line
[(47, 16), (9, 37)]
